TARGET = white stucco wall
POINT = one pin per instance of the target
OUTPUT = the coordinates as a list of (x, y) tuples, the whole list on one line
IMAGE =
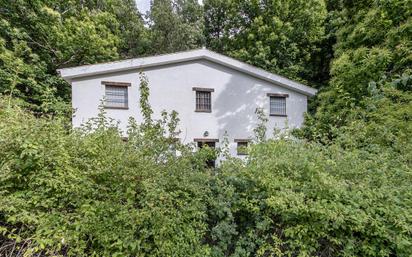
[(234, 100)]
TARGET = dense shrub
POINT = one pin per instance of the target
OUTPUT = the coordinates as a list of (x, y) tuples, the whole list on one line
[(88, 193), (303, 199), (81, 193), (372, 41)]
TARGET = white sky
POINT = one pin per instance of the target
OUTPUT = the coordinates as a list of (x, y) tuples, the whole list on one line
[(144, 5)]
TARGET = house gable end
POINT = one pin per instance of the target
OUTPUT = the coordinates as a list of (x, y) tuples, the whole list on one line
[(202, 54)]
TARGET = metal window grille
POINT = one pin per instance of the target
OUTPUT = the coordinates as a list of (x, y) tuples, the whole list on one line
[(203, 101), (116, 96), (277, 105)]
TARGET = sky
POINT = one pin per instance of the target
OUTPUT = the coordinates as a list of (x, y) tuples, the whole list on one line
[(144, 5)]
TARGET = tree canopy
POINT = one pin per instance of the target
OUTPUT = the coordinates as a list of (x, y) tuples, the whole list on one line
[(281, 36), (338, 186), (373, 44), (37, 37), (175, 25)]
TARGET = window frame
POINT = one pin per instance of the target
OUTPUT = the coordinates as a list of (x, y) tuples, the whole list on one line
[(280, 96), (203, 90), (206, 140), (241, 141), (201, 142), (120, 85)]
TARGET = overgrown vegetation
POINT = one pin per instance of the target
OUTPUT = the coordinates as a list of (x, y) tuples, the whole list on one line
[(86, 192), (373, 45), (340, 186)]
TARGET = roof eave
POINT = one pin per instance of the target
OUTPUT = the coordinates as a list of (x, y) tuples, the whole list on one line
[(87, 70), (262, 74), (91, 70)]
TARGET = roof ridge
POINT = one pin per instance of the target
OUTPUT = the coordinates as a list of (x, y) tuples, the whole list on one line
[(135, 58), (255, 67)]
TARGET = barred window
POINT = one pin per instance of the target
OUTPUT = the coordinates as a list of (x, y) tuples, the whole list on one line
[(278, 105), (203, 99), (116, 96)]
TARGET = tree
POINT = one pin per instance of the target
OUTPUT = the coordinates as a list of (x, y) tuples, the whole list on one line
[(37, 37), (175, 25), (373, 42), (23, 75), (134, 37), (281, 36)]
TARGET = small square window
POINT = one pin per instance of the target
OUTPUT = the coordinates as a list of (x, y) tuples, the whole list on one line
[(277, 105), (116, 97), (203, 101), (242, 147)]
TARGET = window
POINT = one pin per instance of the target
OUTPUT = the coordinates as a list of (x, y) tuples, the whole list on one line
[(242, 145), (277, 104), (116, 95), (211, 143), (203, 99)]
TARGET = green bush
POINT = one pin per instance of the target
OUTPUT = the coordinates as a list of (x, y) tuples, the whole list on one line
[(297, 199), (83, 192), (86, 192)]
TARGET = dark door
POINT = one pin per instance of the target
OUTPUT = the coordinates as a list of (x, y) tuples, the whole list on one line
[(211, 162)]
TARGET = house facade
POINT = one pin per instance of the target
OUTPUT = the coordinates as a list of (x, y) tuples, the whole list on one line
[(213, 94)]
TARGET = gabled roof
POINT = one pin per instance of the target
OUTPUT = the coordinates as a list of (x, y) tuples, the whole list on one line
[(200, 54)]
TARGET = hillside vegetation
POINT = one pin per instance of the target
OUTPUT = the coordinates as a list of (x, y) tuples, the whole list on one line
[(339, 186)]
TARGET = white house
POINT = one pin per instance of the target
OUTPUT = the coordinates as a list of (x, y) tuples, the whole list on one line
[(212, 93)]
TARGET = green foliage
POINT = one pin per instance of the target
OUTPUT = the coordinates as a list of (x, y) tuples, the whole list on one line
[(385, 108), (261, 129), (37, 37), (280, 36), (385, 121), (373, 41), (175, 25), (86, 192), (298, 199), (24, 75)]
